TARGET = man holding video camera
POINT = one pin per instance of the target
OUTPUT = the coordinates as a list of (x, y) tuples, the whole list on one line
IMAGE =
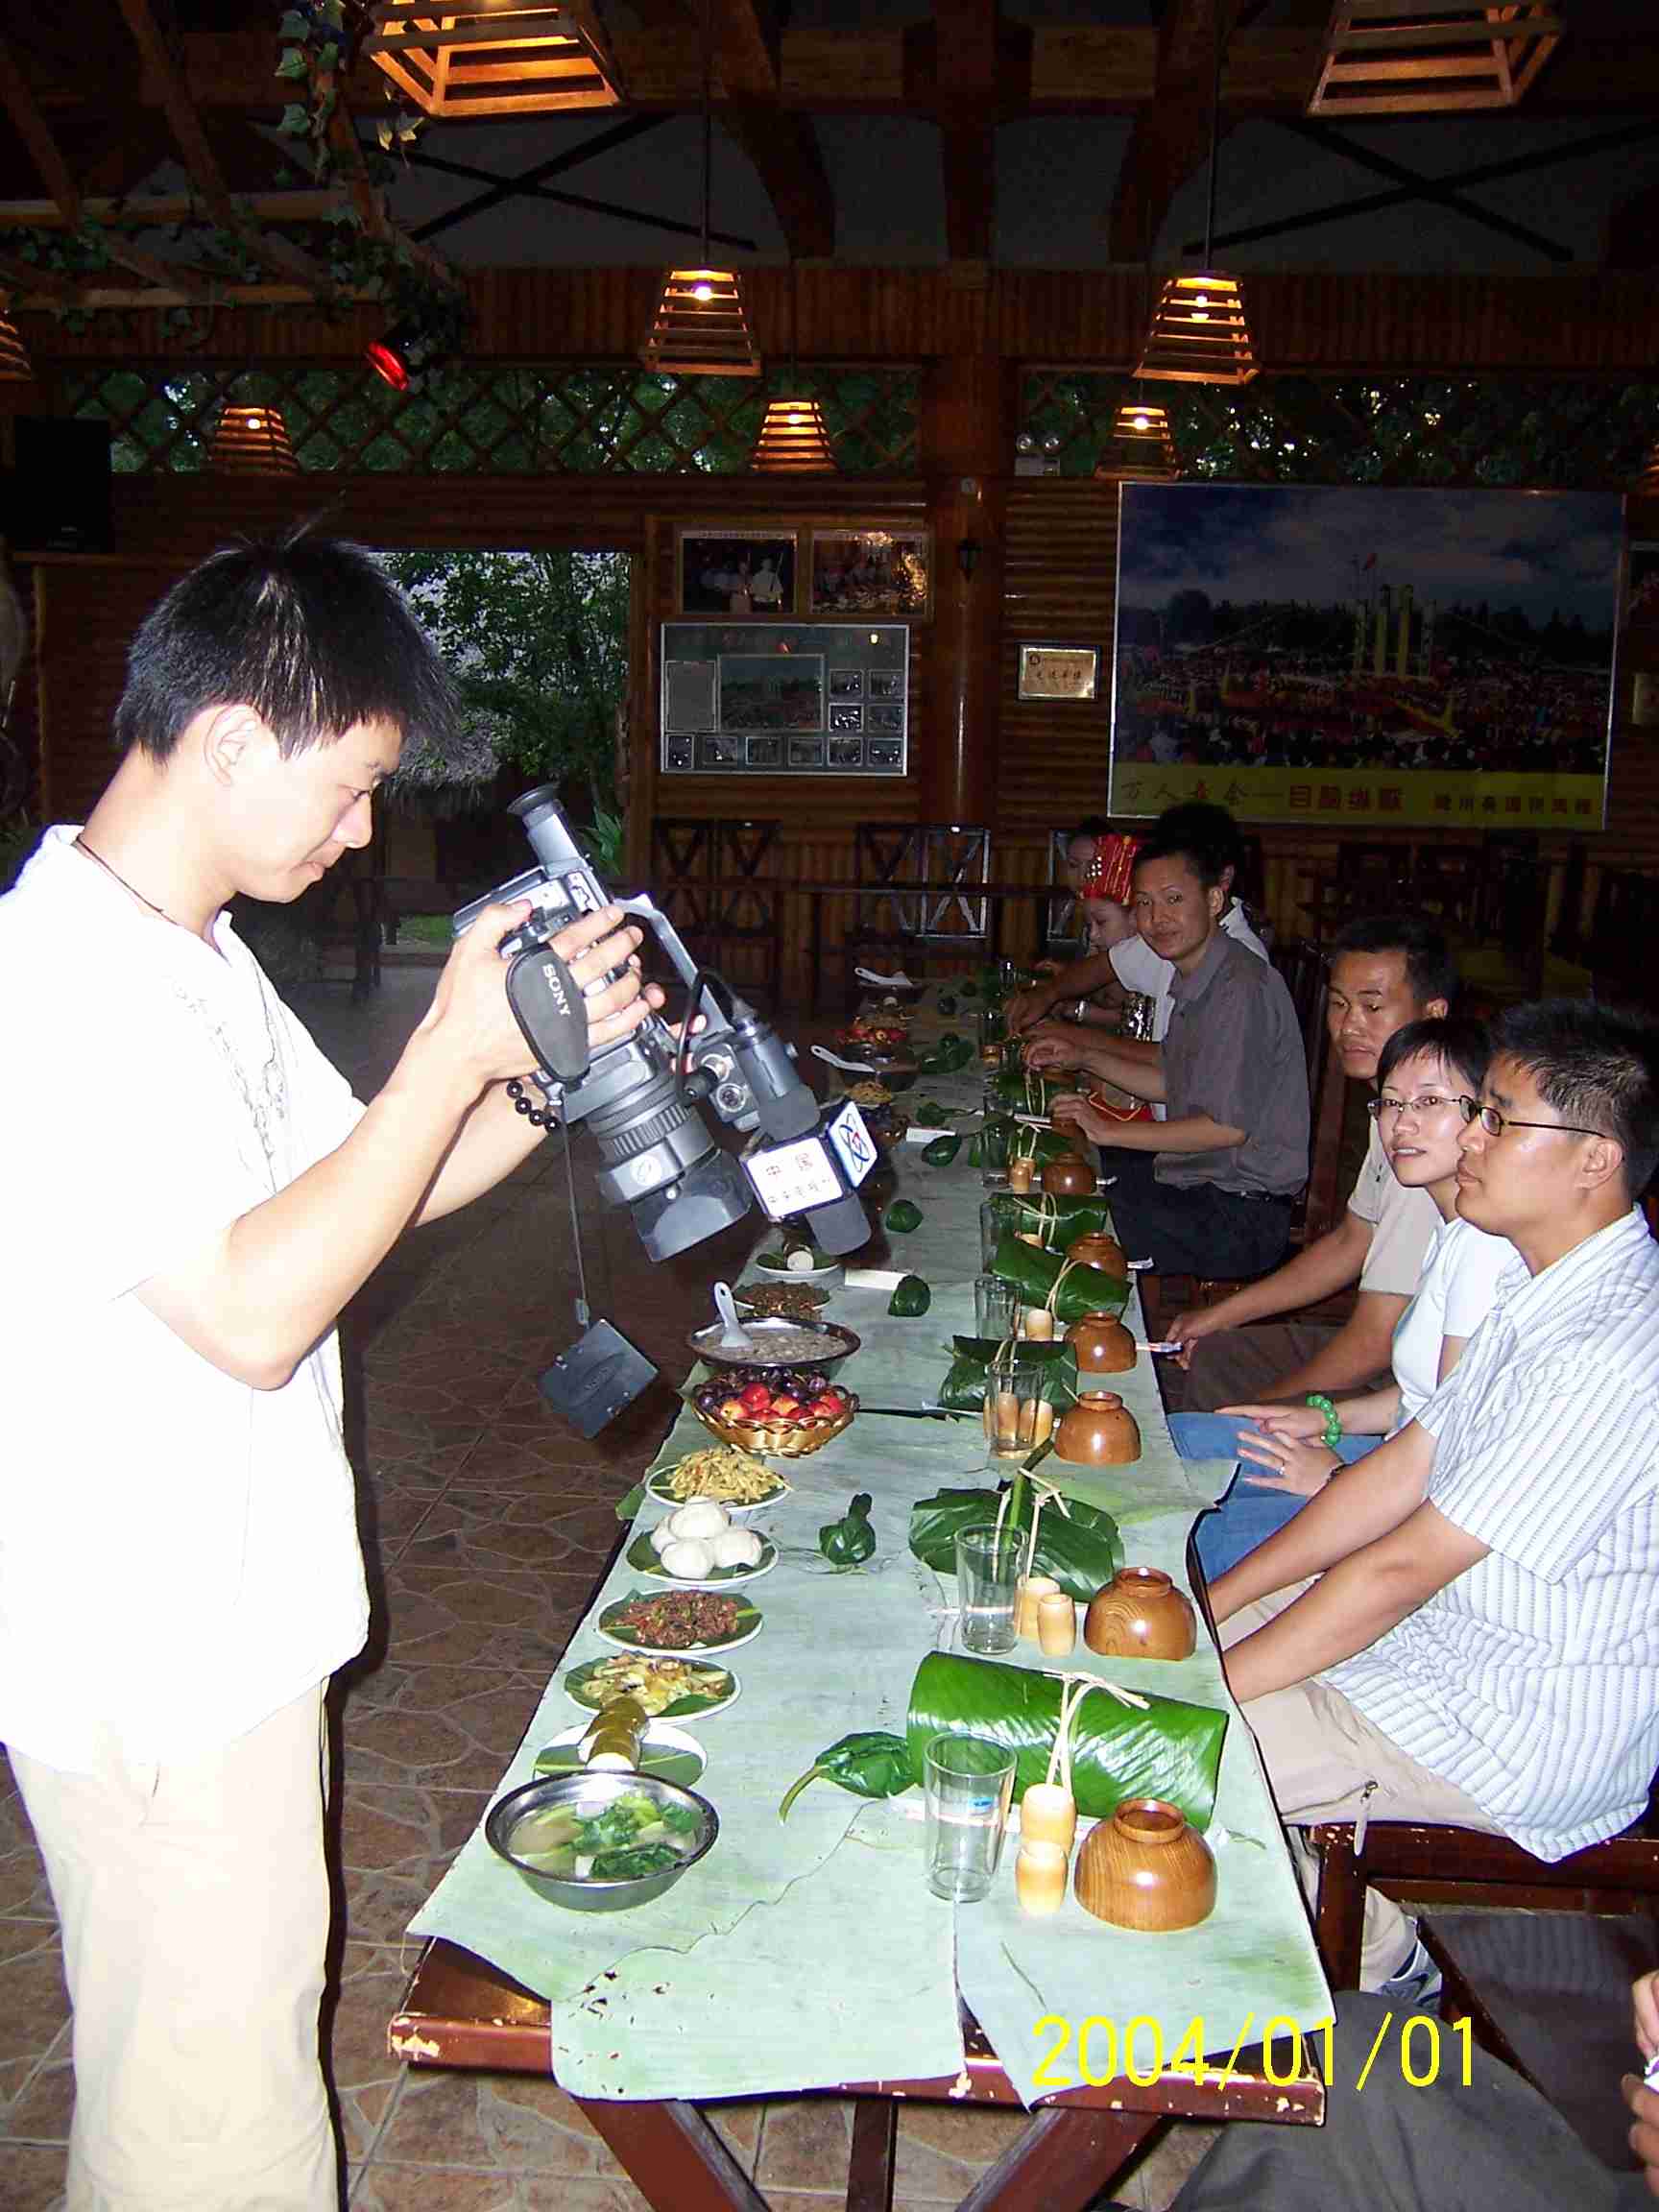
[(194, 1196)]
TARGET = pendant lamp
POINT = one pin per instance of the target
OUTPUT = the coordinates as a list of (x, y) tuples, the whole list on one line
[(1199, 333), (1141, 441), (483, 59), (700, 328), (793, 439), (251, 440), (1412, 57)]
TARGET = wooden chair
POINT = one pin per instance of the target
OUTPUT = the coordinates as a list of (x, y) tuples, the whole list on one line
[(947, 919), (1547, 1994), (716, 880), (1461, 1865), (1060, 936), (1364, 879)]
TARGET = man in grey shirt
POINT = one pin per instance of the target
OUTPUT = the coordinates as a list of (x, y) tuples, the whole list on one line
[(1208, 1190)]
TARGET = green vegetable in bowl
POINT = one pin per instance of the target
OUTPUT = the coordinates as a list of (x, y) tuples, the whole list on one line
[(849, 1541), (910, 1297), (633, 1837), (869, 1763), (903, 1214), (942, 1151), (930, 1114)]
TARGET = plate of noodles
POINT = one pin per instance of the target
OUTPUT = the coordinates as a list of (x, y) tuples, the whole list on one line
[(724, 1471)]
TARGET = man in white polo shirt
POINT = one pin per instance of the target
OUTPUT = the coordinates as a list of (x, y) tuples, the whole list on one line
[(1481, 1643), (194, 1196)]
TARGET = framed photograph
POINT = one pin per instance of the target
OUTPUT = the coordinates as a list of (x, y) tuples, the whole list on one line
[(1642, 587), (1382, 657), (743, 572), (872, 573), (1059, 672)]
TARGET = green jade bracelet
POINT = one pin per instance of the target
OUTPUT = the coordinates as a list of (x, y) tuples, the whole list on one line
[(1332, 1419)]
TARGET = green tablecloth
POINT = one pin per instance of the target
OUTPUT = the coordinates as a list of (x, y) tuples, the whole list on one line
[(804, 1955)]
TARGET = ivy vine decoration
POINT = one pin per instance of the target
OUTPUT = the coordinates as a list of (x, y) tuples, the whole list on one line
[(318, 43)]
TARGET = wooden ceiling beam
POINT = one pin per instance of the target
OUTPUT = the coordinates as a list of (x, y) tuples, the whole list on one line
[(1171, 134), (146, 211), (37, 137), (783, 147), (276, 255)]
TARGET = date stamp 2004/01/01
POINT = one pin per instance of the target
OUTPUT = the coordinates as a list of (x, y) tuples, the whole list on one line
[(1102, 2049)]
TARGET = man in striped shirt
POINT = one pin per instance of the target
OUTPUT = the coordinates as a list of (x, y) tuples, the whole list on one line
[(1481, 1644)]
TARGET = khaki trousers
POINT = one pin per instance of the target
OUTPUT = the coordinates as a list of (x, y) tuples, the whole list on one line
[(1322, 1758), (194, 1903)]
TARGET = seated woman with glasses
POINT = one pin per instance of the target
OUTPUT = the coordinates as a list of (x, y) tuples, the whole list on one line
[(1425, 1075)]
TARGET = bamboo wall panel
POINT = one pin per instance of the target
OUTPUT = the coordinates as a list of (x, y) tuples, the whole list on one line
[(86, 613), (1060, 576), (1601, 321)]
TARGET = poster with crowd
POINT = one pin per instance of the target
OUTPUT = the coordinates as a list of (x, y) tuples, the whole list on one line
[(1314, 654)]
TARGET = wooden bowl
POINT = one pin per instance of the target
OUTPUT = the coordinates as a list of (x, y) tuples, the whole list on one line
[(1102, 1252), (1098, 1430), (1140, 1615), (772, 1440), (1146, 1869), (1070, 1177), (1102, 1344)]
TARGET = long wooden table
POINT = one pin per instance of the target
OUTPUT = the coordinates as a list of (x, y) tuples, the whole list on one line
[(460, 2011)]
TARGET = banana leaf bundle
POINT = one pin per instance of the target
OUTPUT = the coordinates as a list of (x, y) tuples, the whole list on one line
[(1078, 1544), (1039, 1368), (1168, 1749), (1000, 1135), (1057, 1221), (1047, 1279), (1026, 1093)]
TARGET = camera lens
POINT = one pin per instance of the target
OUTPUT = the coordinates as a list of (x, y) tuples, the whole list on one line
[(657, 1155)]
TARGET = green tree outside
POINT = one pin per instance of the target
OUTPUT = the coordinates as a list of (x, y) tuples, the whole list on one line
[(537, 643)]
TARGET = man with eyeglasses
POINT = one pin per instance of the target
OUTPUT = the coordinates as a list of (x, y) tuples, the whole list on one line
[(1465, 1628)]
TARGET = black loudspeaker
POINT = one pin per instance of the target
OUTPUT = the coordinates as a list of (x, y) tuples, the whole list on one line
[(57, 499)]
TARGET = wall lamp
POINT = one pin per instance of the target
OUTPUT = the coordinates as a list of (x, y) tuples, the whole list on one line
[(967, 557)]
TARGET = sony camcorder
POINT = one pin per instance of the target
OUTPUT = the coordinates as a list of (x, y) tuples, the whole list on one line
[(641, 1097)]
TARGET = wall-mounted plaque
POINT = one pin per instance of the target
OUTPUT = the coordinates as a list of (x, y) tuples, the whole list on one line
[(797, 698), (1059, 671)]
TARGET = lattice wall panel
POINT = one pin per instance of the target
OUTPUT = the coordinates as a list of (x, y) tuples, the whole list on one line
[(1493, 430), (484, 421)]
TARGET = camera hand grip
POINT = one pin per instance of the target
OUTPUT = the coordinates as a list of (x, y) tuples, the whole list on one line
[(548, 1003)]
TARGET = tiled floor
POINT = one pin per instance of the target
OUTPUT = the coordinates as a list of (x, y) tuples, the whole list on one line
[(485, 1525)]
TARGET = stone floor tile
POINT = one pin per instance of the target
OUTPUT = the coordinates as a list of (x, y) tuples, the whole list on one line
[(488, 1529), (805, 2143), (395, 1844), (365, 2076), (436, 1728), (424, 2189), (943, 2148), (43, 2112), (30, 2178), (33, 2006), (516, 2123), (23, 1891), (465, 1617), (1157, 2177)]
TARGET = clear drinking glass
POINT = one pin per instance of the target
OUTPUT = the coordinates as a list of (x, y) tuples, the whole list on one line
[(992, 1220), (1015, 1419), (969, 1783), (993, 1142), (996, 1308), (988, 1563), (993, 1032)]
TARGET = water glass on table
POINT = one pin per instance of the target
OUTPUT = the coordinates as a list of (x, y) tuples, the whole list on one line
[(996, 1308), (993, 1034), (988, 1563), (969, 1783)]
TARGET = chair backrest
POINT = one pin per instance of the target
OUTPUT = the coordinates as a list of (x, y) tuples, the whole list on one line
[(1062, 910), (948, 859)]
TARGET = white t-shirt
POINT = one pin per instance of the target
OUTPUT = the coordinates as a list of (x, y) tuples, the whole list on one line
[(1455, 1294), (178, 1553)]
